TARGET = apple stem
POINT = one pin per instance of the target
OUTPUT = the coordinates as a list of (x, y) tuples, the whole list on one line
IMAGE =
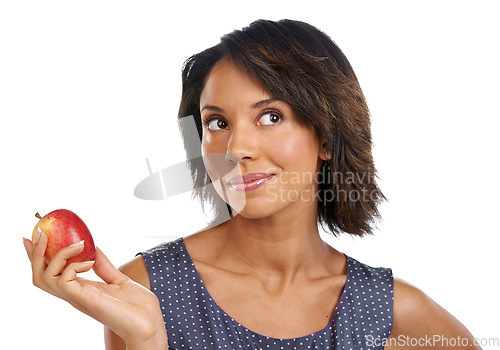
[(38, 215)]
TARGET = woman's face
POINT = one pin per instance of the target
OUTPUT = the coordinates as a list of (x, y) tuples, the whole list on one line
[(260, 159)]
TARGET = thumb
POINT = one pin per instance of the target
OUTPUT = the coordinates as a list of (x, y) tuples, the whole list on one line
[(105, 269), (28, 246)]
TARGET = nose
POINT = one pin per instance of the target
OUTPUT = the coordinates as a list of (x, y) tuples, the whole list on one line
[(242, 145)]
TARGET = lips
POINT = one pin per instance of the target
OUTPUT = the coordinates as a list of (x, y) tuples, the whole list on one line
[(249, 181), (251, 177)]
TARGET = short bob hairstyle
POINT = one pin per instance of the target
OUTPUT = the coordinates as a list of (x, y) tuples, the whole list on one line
[(303, 67)]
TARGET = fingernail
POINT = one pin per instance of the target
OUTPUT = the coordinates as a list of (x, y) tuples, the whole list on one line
[(76, 244), (38, 233)]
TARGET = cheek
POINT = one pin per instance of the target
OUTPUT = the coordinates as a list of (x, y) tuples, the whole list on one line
[(298, 149), (211, 143), (206, 149), (205, 143), (290, 148), (215, 159)]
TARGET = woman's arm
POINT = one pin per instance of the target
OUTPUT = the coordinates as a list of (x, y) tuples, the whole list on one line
[(121, 304), (420, 323), (137, 271)]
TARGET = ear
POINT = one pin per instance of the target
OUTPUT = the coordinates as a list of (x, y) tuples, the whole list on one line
[(324, 152)]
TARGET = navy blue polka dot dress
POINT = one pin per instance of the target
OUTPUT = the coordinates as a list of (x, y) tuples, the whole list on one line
[(194, 321)]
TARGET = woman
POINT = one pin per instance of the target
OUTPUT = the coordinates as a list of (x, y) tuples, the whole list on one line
[(286, 144)]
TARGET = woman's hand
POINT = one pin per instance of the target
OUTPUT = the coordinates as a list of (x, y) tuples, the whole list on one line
[(124, 306)]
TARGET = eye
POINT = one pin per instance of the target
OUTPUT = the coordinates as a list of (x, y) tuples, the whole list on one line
[(270, 118), (215, 124)]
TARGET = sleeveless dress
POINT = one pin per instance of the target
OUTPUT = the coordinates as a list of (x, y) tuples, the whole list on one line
[(362, 318)]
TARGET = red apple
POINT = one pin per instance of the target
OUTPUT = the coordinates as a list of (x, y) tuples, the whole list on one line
[(64, 228)]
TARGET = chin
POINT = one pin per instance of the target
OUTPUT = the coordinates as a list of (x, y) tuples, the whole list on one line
[(257, 209), (252, 215)]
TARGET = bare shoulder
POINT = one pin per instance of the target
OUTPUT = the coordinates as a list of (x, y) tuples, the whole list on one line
[(196, 243), (411, 301), (416, 315), (205, 244), (137, 271)]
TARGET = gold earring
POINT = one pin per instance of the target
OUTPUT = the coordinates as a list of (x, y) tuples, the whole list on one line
[(328, 155)]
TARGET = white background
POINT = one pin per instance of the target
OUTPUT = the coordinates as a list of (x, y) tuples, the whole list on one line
[(88, 90)]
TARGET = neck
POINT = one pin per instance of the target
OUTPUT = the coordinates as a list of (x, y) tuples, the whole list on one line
[(280, 247)]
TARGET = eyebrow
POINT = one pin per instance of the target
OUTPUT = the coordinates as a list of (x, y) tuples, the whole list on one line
[(265, 102), (255, 105)]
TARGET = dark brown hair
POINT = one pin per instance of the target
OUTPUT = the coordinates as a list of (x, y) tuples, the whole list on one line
[(303, 67)]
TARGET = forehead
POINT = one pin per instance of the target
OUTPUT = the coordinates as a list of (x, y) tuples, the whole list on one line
[(227, 82)]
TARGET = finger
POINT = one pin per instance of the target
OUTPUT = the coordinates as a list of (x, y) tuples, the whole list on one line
[(58, 262), (38, 264), (105, 269), (77, 291), (28, 245), (70, 272)]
